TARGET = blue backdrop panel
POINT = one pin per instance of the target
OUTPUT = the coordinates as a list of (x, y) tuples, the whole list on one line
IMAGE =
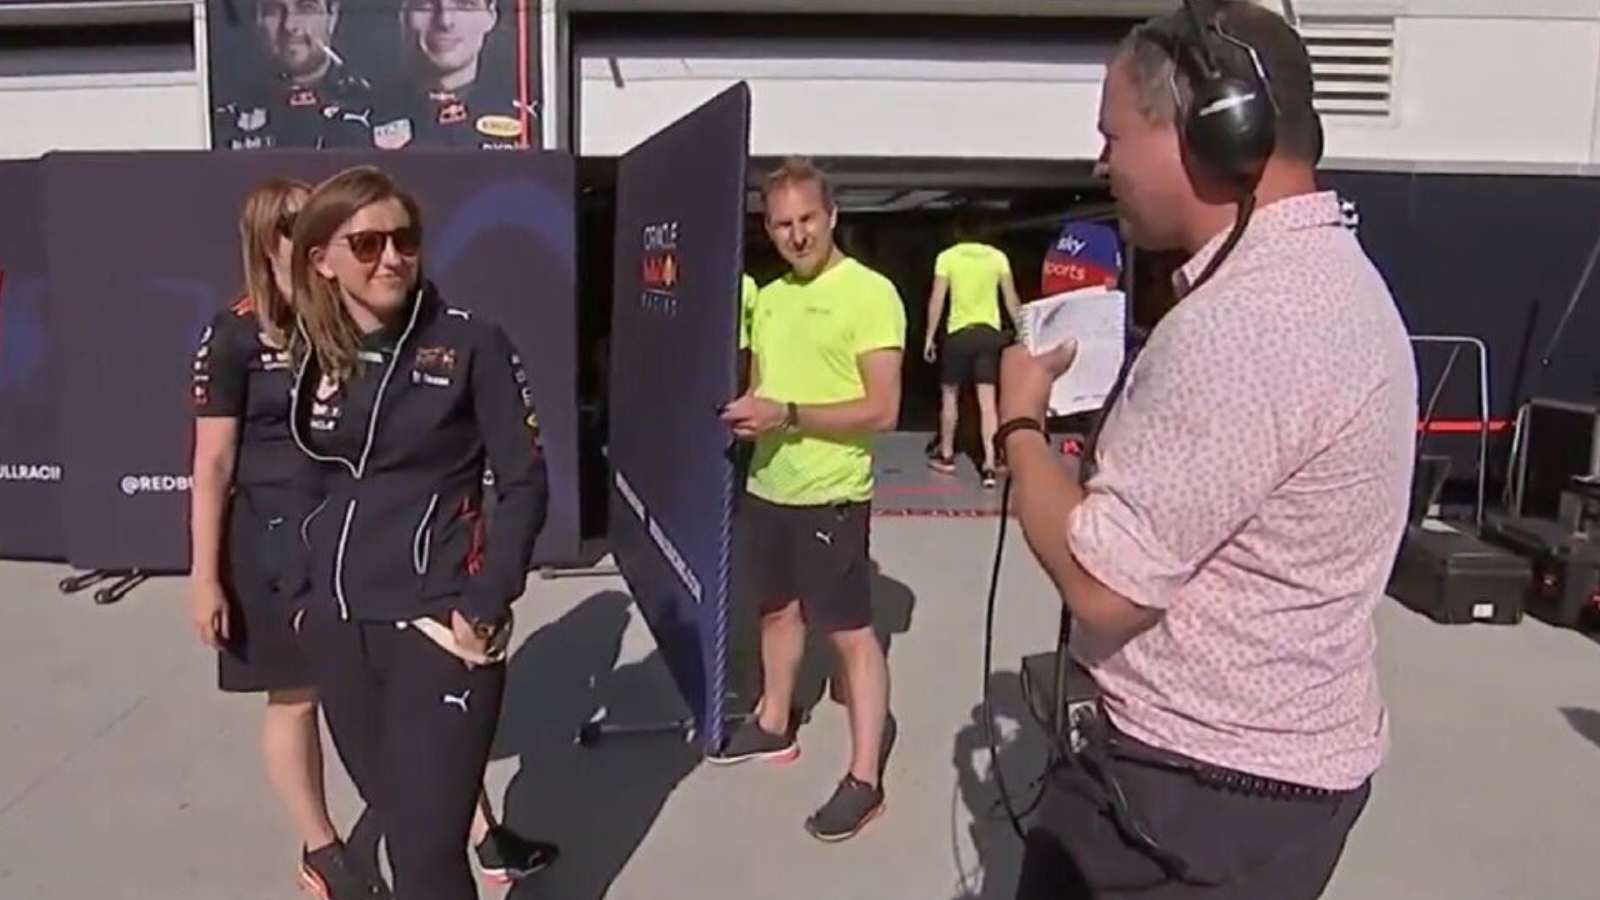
[(30, 462), (679, 252), (146, 249), (1495, 257)]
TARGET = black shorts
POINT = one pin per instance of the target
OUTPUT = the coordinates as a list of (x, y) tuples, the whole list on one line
[(973, 353), (262, 653), (816, 554)]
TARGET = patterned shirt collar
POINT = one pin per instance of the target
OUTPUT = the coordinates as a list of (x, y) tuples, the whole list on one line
[(1289, 214)]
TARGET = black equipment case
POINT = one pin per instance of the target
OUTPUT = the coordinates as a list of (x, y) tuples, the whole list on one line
[(1580, 505), (1451, 576), (1565, 589)]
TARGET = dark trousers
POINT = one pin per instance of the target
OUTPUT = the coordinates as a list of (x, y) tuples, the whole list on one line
[(413, 726), (1235, 845)]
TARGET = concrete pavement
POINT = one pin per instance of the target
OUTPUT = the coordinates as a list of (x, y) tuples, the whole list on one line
[(124, 774)]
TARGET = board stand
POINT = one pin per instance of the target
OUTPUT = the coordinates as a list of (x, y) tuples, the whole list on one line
[(594, 733), (125, 581)]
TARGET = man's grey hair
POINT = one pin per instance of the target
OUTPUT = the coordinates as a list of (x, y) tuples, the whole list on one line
[(1164, 87), (1161, 87)]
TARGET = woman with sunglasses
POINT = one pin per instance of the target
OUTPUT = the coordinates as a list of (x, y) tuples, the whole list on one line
[(241, 528), (404, 402)]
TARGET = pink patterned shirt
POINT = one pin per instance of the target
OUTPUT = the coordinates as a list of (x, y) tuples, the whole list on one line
[(1252, 484)]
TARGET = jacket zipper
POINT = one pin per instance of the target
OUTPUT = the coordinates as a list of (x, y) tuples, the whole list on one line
[(338, 560), (383, 386), (305, 524), (357, 469), (422, 541)]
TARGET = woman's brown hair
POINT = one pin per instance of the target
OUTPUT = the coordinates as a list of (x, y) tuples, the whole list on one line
[(327, 329), (259, 229)]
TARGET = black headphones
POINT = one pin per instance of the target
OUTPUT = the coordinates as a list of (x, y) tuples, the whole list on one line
[(1230, 123)]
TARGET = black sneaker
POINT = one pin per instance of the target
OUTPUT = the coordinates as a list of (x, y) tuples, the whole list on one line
[(990, 479), (853, 804), (329, 874), (751, 741), (505, 856), (942, 464)]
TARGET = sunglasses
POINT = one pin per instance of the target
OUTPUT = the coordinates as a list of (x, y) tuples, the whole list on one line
[(367, 246)]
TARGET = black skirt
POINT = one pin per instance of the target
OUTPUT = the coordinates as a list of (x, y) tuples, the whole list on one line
[(263, 652)]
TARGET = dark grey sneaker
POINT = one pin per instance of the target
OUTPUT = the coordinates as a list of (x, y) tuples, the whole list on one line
[(751, 741), (853, 804), (330, 874), (505, 856)]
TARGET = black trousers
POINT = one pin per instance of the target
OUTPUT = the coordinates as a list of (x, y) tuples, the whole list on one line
[(1236, 846), (413, 726)]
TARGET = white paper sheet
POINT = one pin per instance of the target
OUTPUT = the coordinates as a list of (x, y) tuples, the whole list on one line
[(1098, 320)]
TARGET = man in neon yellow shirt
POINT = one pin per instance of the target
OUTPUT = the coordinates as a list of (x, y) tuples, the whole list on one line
[(972, 274), (748, 291), (827, 341)]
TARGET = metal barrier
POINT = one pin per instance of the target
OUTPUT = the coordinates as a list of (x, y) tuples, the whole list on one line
[(1483, 401)]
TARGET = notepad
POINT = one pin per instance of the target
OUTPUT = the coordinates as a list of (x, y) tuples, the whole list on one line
[(1098, 319)]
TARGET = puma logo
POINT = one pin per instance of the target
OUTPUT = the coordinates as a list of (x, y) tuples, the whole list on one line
[(825, 537), (460, 701)]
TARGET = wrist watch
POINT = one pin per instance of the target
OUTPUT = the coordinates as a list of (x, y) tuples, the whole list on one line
[(484, 630), (791, 417)]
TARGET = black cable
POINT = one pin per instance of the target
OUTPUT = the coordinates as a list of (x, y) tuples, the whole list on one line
[(1247, 208), (1518, 444), (1433, 401), (988, 670), (1572, 304)]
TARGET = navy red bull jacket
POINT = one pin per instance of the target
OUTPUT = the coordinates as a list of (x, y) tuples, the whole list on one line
[(400, 455)]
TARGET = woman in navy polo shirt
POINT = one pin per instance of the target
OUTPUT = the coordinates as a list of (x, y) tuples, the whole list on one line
[(241, 528)]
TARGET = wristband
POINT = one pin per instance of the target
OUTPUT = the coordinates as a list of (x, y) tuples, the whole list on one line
[(791, 418), (1012, 427)]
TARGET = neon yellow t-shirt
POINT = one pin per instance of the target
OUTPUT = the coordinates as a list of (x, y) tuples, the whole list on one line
[(748, 292), (806, 338), (974, 272)]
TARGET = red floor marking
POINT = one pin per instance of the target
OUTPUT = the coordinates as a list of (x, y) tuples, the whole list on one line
[(924, 489)]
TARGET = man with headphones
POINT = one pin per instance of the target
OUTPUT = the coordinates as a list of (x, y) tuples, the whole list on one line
[(1240, 505)]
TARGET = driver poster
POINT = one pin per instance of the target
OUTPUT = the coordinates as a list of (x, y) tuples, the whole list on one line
[(363, 74)]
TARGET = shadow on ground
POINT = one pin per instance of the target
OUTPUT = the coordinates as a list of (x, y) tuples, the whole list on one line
[(1584, 721), (1022, 753), (892, 606), (599, 802)]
